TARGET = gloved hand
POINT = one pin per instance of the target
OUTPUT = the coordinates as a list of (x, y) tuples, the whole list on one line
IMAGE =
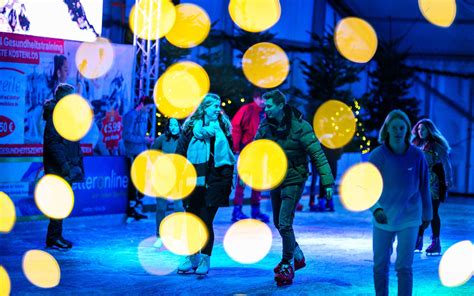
[(425, 224), (76, 175), (380, 216), (329, 192)]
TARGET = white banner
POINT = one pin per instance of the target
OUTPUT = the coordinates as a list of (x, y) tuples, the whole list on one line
[(63, 19)]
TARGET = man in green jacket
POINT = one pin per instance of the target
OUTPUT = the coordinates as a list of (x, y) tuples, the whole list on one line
[(285, 126)]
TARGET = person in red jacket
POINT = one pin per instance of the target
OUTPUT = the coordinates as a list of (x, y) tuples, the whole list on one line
[(244, 128)]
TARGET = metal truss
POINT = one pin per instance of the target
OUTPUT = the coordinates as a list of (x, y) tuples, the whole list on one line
[(146, 55)]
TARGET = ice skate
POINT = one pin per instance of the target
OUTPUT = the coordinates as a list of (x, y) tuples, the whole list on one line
[(204, 265), (330, 205), (299, 207), (419, 245), (189, 265), (237, 214), (256, 214), (285, 274), (320, 207), (158, 243), (300, 261), (435, 248)]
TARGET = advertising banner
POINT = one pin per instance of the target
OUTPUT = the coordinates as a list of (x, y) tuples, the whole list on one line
[(30, 69), (112, 130), (104, 190)]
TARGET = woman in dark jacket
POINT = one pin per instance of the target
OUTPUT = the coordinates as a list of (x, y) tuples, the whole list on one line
[(436, 150), (62, 158), (206, 142), (166, 143)]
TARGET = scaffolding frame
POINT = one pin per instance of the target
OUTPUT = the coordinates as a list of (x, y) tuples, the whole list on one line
[(146, 60)]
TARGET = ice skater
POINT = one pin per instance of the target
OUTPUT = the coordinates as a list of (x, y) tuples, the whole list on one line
[(404, 205), (244, 128), (429, 139), (286, 126), (63, 158), (166, 143), (136, 140), (206, 141)]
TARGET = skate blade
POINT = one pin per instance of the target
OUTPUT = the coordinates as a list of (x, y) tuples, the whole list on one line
[(284, 283), (184, 272), (278, 278), (418, 251), (201, 276), (53, 248), (435, 254)]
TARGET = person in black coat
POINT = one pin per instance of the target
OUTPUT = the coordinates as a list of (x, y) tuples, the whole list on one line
[(62, 158), (166, 143), (206, 141)]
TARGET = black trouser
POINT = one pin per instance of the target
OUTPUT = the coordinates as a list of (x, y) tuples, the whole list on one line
[(55, 229), (284, 201), (436, 222), (134, 196), (197, 206)]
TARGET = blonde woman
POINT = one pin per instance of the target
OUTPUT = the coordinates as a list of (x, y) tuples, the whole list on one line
[(206, 141)]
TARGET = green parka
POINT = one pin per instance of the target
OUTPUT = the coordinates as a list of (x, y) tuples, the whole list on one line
[(296, 137)]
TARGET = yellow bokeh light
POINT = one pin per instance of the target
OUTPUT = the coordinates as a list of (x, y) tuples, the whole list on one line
[(361, 187), (262, 165), (457, 264), (156, 262), (334, 124), (164, 175), (153, 174), (255, 15), (5, 286), (152, 19), (191, 27), (183, 233), (72, 117), (438, 12), (7, 213), (41, 269), (54, 197), (180, 90), (186, 177), (248, 241), (265, 65), (355, 39), (94, 59)]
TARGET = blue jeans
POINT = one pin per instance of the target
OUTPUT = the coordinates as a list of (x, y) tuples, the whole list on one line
[(382, 242)]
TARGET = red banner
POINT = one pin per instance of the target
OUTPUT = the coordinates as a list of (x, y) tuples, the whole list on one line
[(33, 150), (112, 129)]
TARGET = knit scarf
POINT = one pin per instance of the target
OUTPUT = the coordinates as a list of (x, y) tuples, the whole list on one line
[(199, 149)]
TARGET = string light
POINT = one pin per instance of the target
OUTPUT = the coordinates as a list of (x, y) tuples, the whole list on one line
[(364, 142)]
